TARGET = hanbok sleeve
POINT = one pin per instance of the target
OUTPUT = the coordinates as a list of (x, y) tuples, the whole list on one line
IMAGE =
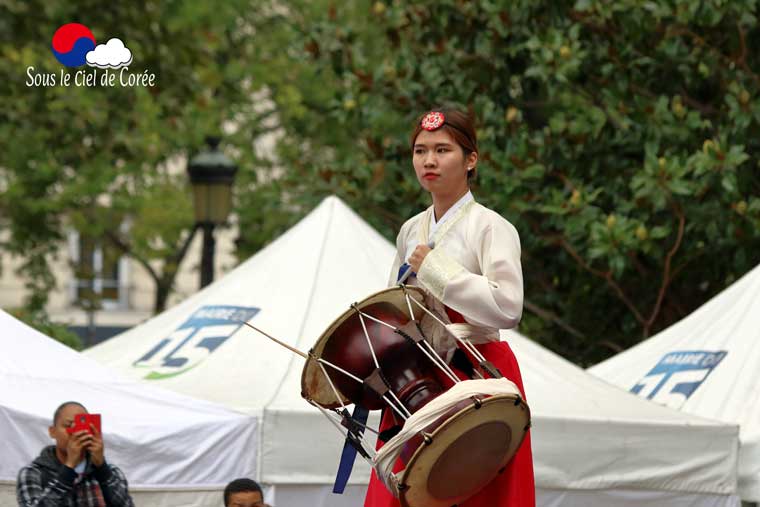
[(493, 298)]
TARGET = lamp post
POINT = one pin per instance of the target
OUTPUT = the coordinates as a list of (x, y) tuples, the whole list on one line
[(211, 175)]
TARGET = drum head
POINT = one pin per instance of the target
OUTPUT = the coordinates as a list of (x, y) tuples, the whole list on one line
[(465, 453), (314, 386)]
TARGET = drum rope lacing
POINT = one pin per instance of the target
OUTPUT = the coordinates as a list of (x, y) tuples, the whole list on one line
[(398, 410), (332, 386), (432, 355), (377, 364), (437, 360), (465, 343)]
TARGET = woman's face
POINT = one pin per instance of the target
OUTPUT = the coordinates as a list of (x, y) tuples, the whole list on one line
[(440, 163)]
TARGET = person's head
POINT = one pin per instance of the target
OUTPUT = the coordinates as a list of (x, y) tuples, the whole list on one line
[(444, 150), (243, 493), (63, 418)]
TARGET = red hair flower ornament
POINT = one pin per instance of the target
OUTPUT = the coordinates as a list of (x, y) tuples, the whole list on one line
[(433, 121)]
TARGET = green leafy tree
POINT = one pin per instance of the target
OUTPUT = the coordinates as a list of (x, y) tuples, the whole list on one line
[(99, 158), (621, 138)]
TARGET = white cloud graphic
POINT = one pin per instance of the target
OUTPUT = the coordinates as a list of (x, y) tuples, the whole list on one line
[(111, 55)]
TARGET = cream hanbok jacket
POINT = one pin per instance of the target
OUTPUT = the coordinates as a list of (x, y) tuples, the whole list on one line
[(474, 269)]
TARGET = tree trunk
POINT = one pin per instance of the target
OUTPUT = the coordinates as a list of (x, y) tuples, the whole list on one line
[(162, 295)]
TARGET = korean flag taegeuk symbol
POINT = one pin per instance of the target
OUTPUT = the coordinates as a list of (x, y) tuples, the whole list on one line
[(677, 376), (71, 43), (193, 341)]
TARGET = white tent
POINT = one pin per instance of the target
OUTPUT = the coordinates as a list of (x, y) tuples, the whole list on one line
[(596, 445), (292, 289), (174, 450), (706, 364), (593, 442)]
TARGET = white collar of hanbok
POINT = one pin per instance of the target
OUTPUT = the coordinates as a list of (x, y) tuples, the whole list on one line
[(436, 230)]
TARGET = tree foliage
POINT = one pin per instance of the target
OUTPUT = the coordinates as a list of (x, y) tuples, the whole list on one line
[(99, 158), (621, 138)]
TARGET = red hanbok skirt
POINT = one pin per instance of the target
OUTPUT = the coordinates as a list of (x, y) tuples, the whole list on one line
[(512, 488)]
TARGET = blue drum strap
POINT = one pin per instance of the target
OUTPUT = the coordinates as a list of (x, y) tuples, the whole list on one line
[(348, 456)]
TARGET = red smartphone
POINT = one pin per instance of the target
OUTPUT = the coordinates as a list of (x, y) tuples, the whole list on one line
[(83, 421)]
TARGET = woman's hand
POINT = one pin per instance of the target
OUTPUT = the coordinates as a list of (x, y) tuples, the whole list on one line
[(419, 254)]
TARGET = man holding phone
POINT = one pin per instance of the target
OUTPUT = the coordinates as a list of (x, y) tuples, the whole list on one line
[(74, 471)]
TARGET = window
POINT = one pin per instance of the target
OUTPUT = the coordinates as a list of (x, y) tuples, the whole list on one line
[(99, 273)]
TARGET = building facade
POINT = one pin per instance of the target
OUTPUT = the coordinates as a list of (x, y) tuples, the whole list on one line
[(87, 271)]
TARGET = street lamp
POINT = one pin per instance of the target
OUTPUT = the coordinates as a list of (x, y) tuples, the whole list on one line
[(211, 174)]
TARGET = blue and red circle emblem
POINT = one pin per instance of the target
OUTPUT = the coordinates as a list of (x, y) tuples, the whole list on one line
[(71, 43)]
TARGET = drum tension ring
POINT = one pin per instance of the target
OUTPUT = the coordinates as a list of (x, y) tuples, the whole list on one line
[(377, 382), (477, 402), (427, 437), (518, 400), (402, 487), (411, 337)]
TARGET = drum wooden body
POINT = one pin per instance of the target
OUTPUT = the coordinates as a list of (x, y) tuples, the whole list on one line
[(405, 368)]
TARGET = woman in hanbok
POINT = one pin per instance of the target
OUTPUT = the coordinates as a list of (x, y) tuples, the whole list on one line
[(467, 258)]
